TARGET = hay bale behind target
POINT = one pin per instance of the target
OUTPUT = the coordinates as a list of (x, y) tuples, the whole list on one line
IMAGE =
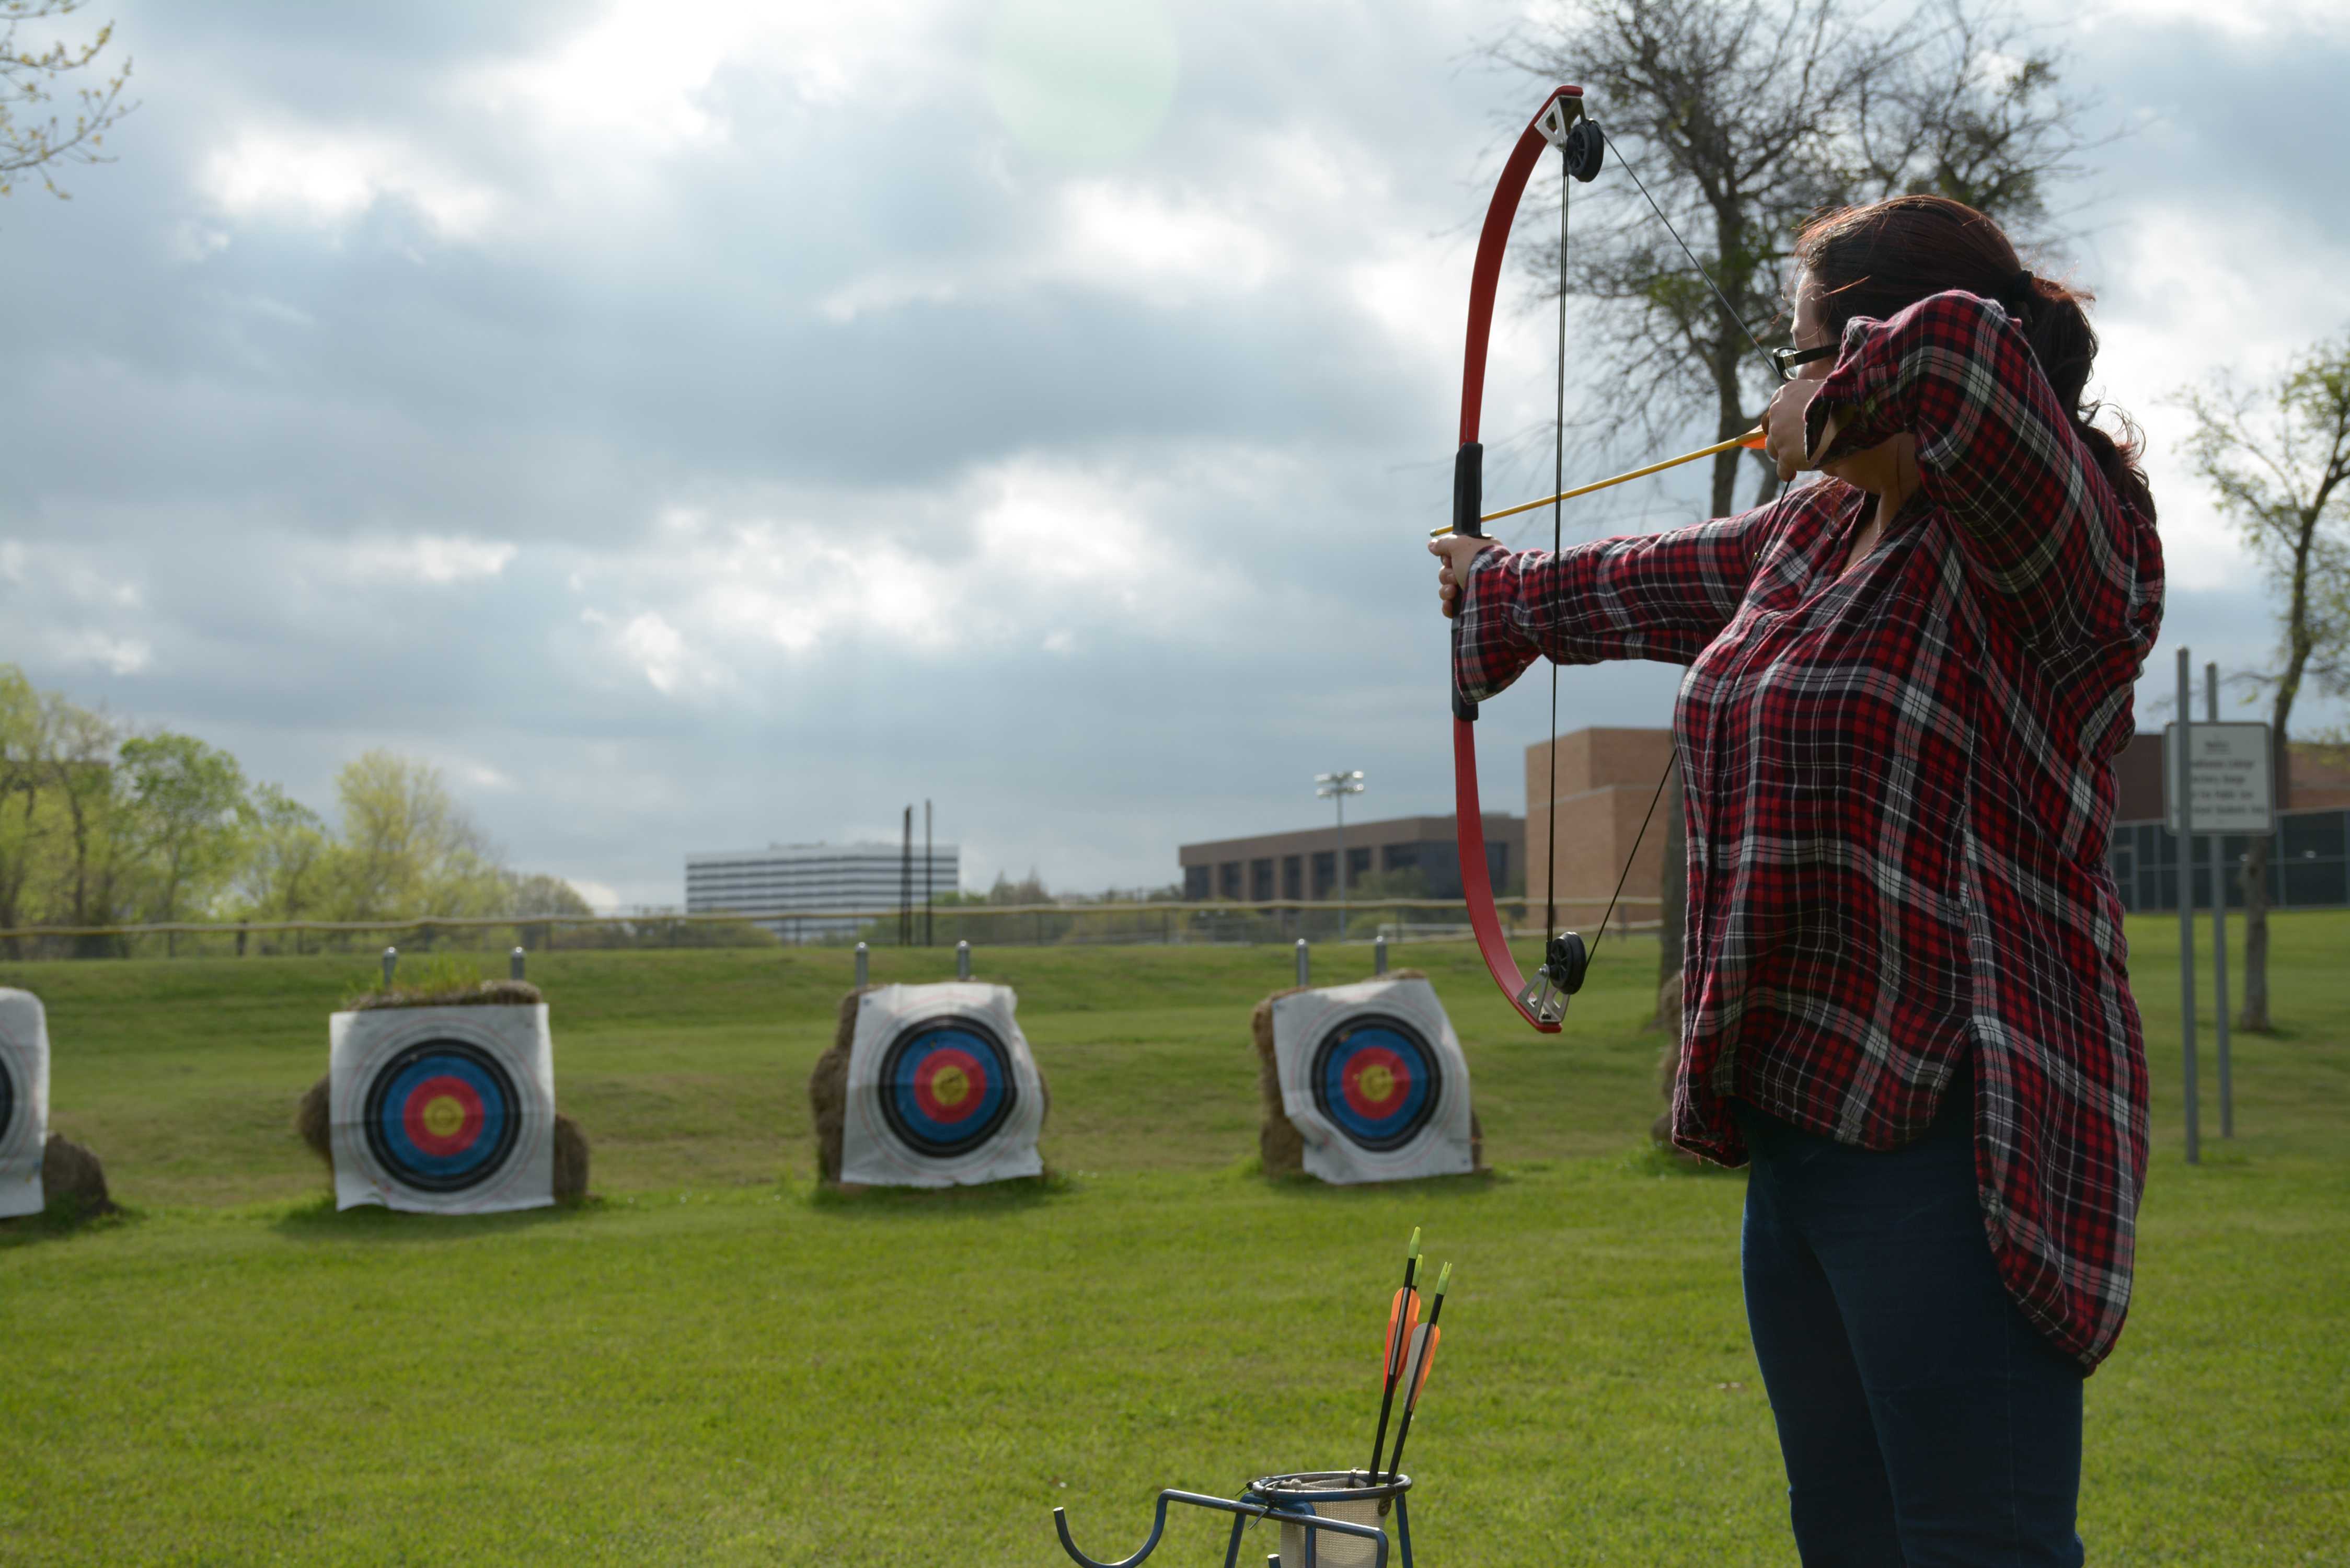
[(314, 1113), (313, 1125), (828, 1088), (74, 1176), (1281, 1148), (828, 1092)]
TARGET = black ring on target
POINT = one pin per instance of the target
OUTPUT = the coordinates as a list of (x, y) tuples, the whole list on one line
[(7, 1097), (443, 1116), (947, 1086), (1378, 1080)]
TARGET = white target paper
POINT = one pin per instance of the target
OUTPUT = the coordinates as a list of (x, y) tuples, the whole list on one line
[(1373, 1079), (443, 1110), (23, 1101), (941, 1090)]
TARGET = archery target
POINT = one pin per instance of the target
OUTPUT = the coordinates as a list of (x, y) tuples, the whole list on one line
[(941, 1090), (443, 1110), (23, 1101), (1373, 1079)]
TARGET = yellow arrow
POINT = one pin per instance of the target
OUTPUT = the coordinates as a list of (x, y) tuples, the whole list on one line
[(1752, 439)]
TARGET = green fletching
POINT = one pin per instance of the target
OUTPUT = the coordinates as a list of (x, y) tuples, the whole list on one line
[(1444, 1277), (1413, 1250)]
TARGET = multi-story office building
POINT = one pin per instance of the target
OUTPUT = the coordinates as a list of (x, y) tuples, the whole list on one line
[(767, 885)]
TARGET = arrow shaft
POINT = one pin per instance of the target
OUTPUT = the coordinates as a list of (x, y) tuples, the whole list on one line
[(1749, 438)]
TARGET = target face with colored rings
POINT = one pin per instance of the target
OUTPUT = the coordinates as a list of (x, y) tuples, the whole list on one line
[(947, 1086), (1376, 1078), (443, 1116)]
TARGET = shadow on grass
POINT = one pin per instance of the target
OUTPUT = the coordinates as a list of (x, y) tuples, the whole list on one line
[(1298, 1184), (62, 1219), (994, 1197), (320, 1220)]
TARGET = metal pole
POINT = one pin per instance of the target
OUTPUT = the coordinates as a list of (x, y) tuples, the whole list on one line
[(1305, 964), (2184, 784), (1342, 868), (962, 961), (2220, 934), (1379, 954), (926, 874), (514, 963), (391, 963), (864, 966)]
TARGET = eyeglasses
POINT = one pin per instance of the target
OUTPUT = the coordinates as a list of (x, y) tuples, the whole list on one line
[(1784, 360)]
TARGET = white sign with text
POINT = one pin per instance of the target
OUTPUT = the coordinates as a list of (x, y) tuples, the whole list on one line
[(2229, 775)]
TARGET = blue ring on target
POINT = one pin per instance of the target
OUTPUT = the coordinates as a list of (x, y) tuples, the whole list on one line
[(1378, 1080), (441, 1115), (947, 1086)]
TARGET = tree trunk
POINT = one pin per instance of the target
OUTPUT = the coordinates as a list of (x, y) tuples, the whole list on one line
[(2255, 1014), (2256, 865), (1673, 887)]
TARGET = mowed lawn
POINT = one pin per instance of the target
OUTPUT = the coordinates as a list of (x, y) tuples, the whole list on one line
[(712, 1362)]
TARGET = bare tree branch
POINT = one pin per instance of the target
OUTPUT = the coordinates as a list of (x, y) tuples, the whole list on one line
[(32, 137), (1743, 120)]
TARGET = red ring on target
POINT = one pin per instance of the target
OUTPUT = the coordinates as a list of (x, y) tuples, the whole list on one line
[(949, 1085), (1376, 1081), (425, 1105)]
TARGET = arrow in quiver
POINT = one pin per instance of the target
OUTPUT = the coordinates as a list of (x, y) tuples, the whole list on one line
[(23, 1101), (440, 1109), (928, 1085), (1364, 1083)]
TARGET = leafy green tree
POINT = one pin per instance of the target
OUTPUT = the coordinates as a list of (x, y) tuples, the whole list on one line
[(32, 136), (282, 873), (97, 867), (23, 747), (407, 847), (2279, 456), (190, 807)]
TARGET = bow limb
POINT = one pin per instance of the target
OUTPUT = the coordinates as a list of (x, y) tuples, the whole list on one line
[(1550, 124)]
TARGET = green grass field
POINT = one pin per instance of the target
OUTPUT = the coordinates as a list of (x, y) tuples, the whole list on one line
[(712, 1362)]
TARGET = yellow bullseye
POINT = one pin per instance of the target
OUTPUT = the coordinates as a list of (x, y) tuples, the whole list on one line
[(951, 1086), (444, 1115), (1377, 1083)]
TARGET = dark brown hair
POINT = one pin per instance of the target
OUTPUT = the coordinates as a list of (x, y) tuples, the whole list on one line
[(1875, 260)]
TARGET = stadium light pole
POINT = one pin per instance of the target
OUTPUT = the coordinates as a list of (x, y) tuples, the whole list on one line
[(1338, 787)]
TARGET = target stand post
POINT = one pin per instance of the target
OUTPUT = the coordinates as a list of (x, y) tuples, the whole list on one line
[(1329, 1518)]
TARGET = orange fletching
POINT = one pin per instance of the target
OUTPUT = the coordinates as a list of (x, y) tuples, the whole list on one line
[(1404, 1314), (1753, 441)]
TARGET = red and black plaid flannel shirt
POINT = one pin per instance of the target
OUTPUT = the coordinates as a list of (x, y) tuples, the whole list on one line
[(1899, 787)]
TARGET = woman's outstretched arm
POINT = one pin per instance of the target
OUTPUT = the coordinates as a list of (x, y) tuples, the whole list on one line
[(1648, 595)]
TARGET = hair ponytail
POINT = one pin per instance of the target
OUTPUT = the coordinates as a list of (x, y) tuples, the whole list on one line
[(1877, 260)]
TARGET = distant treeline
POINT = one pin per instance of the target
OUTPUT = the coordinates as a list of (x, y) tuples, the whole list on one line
[(105, 825)]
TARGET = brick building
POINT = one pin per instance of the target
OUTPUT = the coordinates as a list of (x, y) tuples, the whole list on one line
[(2309, 857), (1304, 865), (1607, 777)]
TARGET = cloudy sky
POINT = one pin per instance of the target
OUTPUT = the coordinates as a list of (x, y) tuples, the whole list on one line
[(698, 424)]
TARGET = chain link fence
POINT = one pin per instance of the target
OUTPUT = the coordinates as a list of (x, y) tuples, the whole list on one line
[(1167, 923)]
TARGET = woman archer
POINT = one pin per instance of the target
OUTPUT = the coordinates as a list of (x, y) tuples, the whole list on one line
[(1906, 999)]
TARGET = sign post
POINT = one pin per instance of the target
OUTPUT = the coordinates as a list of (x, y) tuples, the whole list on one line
[(2220, 932), (2217, 780), (2180, 777)]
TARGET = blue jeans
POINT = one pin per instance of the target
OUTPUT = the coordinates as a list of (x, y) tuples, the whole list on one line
[(1924, 1421)]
